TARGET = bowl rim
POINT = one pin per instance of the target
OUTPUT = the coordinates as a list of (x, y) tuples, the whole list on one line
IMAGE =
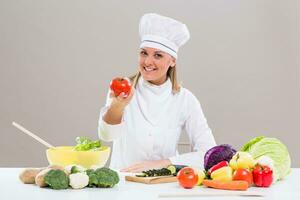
[(71, 148)]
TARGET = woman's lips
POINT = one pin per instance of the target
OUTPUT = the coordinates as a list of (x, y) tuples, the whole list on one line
[(149, 69)]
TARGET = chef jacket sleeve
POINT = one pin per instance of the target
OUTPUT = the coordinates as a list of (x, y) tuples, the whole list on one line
[(108, 132), (200, 136)]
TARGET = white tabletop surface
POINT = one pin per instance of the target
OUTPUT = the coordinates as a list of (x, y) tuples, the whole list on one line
[(12, 188)]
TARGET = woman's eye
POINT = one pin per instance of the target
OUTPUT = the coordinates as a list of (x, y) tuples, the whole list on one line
[(158, 56), (143, 53)]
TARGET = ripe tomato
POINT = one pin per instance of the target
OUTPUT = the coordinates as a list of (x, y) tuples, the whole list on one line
[(187, 177), (119, 85), (243, 175)]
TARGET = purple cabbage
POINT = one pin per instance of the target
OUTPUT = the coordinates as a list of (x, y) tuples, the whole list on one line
[(213, 156)]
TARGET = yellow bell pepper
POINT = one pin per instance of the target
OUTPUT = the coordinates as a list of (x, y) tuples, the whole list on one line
[(222, 174), (242, 160)]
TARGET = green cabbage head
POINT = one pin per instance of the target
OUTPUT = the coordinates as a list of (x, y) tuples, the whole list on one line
[(273, 148)]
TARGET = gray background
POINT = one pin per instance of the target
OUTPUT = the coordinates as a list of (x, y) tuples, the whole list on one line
[(57, 58)]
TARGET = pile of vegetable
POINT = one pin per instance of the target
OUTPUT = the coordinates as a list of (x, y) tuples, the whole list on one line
[(75, 176), (261, 162)]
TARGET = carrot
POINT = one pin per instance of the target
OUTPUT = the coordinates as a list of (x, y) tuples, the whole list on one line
[(229, 185)]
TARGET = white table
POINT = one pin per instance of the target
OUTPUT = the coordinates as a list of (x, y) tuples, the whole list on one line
[(12, 188)]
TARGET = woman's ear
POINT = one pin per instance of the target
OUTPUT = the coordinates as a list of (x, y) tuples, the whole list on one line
[(173, 62)]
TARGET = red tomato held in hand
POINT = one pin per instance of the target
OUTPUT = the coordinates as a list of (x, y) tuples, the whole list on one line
[(119, 85), (187, 177), (243, 175)]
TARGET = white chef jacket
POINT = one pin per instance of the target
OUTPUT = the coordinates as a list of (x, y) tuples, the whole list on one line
[(151, 126)]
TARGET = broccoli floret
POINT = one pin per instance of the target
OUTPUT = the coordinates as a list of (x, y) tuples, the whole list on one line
[(57, 179), (75, 169), (72, 169), (89, 171), (102, 177)]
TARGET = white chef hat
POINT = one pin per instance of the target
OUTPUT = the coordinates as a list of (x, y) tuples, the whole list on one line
[(162, 33)]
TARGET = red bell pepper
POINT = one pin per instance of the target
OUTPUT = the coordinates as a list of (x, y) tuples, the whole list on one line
[(262, 176), (217, 166)]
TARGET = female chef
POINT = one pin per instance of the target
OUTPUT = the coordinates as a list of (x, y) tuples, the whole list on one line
[(146, 124)]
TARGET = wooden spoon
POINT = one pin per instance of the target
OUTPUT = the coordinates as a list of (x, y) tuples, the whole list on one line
[(27, 132)]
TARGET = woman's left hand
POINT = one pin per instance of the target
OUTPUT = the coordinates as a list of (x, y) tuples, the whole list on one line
[(146, 165)]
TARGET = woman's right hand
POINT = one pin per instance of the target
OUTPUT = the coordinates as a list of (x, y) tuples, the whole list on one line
[(115, 111), (121, 101)]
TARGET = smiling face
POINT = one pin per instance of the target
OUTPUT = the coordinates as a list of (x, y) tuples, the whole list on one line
[(154, 65)]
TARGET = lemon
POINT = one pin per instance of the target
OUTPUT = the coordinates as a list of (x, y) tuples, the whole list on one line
[(201, 175)]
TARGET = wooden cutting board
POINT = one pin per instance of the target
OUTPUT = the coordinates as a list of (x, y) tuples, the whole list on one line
[(152, 180)]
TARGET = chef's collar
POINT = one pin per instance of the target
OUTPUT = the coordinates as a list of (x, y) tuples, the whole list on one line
[(157, 89)]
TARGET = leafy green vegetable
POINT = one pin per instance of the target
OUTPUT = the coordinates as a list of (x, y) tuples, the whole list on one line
[(57, 179), (273, 148), (85, 144), (247, 146), (102, 177)]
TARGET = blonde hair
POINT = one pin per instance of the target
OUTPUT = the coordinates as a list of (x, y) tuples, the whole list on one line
[(171, 73)]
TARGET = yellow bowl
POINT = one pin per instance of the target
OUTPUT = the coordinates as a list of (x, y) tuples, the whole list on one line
[(65, 155)]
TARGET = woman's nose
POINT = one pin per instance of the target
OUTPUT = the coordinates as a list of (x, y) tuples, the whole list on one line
[(148, 61)]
